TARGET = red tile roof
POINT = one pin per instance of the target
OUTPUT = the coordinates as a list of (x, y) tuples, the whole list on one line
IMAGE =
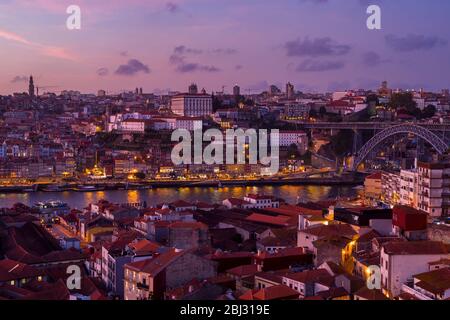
[(437, 281), (188, 225), (369, 294), (281, 253), (333, 293), (242, 271), (416, 248), (310, 276), (276, 221), (14, 270), (332, 230), (143, 247), (237, 202), (56, 291), (157, 264), (278, 292)]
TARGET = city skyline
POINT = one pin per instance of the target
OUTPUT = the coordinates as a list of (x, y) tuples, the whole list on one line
[(164, 45)]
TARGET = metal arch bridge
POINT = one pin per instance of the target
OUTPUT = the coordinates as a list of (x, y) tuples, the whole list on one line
[(440, 145), (445, 127)]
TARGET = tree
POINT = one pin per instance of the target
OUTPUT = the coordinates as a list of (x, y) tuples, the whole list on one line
[(342, 143), (372, 103), (429, 111), (403, 101), (322, 111)]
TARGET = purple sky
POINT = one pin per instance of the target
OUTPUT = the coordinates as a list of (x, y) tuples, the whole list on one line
[(159, 45)]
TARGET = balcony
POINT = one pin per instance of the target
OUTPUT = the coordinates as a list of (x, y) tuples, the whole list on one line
[(408, 289)]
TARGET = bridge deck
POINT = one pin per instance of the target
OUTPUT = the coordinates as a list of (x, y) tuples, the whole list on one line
[(369, 125)]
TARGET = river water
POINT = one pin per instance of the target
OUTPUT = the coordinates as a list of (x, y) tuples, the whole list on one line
[(79, 200)]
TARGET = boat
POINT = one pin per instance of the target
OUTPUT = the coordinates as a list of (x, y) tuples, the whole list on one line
[(88, 188), (56, 188), (237, 183), (137, 186), (17, 189), (30, 189)]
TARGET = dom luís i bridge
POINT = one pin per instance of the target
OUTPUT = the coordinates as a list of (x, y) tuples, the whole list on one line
[(437, 135)]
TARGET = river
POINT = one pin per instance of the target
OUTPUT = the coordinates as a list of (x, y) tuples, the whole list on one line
[(79, 200)]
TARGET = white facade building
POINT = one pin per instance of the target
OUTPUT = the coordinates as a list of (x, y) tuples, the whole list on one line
[(409, 188), (133, 125), (288, 138), (399, 261), (261, 202), (192, 105), (434, 188)]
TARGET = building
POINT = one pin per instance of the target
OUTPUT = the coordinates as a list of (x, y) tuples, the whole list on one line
[(434, 188), (431, 285), (262, 201), (307, 283), (120, 252), (17, 274), (133, 126), (372, 188), (283, 259), (193, 89), (328, 242), (189, 123), (188, 235), (235, 203), (236, 91), (375, 218), (298, 138), (399, 261), (409, 188), (290, 91), (276, 292), (192, 104), (31, 87), (274, 90), (151, 278), (390, 186), (409, 223)]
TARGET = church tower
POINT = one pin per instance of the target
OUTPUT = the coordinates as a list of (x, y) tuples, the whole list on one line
[(31, 87)]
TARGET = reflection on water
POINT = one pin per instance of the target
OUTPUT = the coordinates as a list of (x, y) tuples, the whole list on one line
[(291, 194)]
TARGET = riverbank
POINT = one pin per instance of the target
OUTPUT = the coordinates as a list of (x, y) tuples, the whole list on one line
[(92, 186)]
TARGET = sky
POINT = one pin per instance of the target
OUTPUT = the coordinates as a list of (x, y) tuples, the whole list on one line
[(160, 45)]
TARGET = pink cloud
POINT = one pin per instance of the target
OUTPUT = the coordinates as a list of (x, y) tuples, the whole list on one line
[(92, 6), (51, 51), (14, 37)]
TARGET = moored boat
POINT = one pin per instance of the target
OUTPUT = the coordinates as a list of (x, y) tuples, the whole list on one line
[(88, 188)]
